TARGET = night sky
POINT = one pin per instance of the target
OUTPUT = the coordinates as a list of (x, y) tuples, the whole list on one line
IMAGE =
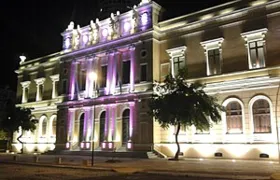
[(33, 27)]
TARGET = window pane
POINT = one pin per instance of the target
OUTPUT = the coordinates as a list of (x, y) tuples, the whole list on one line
[(261, 58), (253, 56), (261, 116), (234, 117), (178, 63), (54, 127), (252, 45), (144, 72), (104, 76), (214, 62), (64, 86), (126, 72), (44, 127)]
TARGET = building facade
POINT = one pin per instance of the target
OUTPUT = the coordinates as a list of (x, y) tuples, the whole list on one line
[(94, 94)]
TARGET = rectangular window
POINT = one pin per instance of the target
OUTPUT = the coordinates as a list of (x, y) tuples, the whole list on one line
[(257, 57), (214, 64), (64, 86), (126, 72), (82, 80), (178, 63), (103, 76), (143, 72)]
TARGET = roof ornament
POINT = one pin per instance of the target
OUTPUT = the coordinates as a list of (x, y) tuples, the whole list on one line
[(144, 2), (70, 26)]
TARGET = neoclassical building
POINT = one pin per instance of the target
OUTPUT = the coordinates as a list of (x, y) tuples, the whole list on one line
[(94, 93)]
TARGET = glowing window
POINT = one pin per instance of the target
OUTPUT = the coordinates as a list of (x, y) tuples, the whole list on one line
[(234, 117), (261, 116)]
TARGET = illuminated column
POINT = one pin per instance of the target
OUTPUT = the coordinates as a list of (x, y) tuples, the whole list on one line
[(112, 123), (114, 72), (40, 86), (86, 120), (89, 81), (91, 125), (55, 79), (109, 73), (132, 67), (25, 87), (70, 124), (131, 119), (73, 80), (107, 123)]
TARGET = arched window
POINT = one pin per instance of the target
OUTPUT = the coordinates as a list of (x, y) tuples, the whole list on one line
[(44, 127), (261, 116), (125, 126), (102, 126), (234, 117), (81, 128)]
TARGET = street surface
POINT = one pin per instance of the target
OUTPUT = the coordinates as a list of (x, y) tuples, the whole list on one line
[(26, 172)]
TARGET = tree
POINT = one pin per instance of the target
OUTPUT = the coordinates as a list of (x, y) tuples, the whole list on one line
[(17, 118), (176, 102)]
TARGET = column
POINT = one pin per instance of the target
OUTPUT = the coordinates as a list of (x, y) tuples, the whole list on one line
[(39, 82), (112, 123), (25, 85), (110, 73), (73, 80), (23, 98), (90, 134), (107, 123), (114, 72), (89, 80), (55, 79), (132, 67), (70, 124), (131, 119), (87, 111)]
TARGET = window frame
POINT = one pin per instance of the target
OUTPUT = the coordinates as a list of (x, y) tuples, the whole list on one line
[(224, 116), (272, 125), (209, 46), (255, 36), (176, 53)]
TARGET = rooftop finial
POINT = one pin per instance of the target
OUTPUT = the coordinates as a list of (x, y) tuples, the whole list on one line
[(70, 26), (144, 2)]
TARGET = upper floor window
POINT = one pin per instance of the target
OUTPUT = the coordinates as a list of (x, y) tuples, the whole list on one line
[(103, 76), (126, 72), (177, 59), (143, 71), (213, 53), (64, 86), (255, 44), (82, 76), (261, 116)]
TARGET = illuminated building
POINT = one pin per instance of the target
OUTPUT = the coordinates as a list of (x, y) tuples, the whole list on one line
[(98, 87)]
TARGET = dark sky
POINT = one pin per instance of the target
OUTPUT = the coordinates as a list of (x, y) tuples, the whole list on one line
[(33, 27)]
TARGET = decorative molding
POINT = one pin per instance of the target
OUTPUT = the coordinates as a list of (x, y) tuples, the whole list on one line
[(40, 81), (178, 51), (25, 84), (256, 35), (55, 77), (212, 44)]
